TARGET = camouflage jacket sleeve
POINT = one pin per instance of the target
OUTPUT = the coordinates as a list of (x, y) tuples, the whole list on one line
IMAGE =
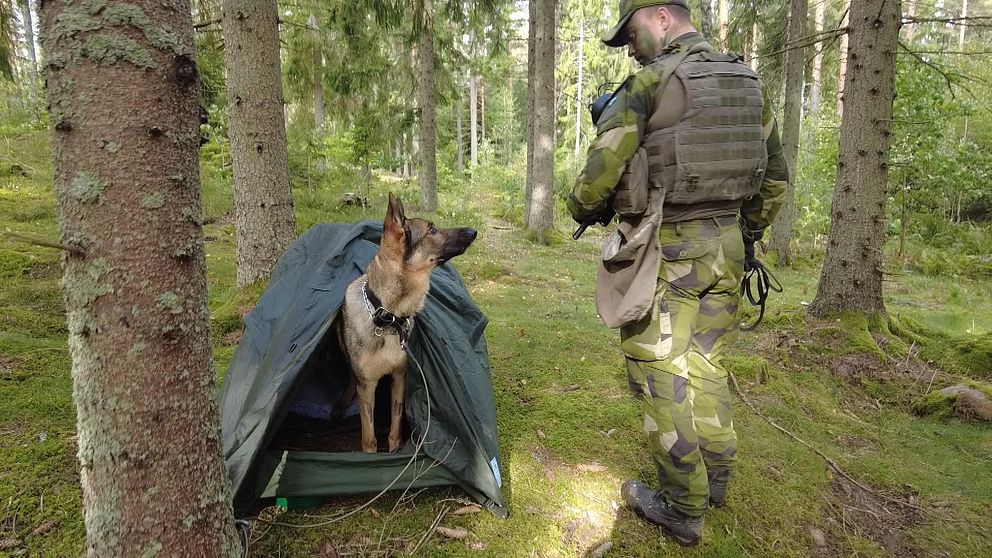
[(619, 133), (759, 211)]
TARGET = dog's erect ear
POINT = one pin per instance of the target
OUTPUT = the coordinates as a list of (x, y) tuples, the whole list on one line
[(394, 214)]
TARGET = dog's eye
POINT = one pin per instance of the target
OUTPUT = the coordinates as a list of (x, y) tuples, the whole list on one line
[(431, 229)]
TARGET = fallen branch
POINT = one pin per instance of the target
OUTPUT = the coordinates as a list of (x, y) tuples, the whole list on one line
[(833, 464), (42, 242)]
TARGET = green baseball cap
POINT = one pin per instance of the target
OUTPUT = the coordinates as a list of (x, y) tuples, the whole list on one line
[(614, 37)]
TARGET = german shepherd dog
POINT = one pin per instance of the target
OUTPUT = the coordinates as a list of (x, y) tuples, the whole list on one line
[(377, 314)]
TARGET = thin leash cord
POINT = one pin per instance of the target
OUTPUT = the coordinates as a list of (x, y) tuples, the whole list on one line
[(399, 475)]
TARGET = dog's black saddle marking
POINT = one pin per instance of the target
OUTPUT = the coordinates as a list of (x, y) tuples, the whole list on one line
[(384, 320)]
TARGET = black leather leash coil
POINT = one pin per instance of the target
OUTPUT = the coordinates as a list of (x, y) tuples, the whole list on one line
[(764, 282)]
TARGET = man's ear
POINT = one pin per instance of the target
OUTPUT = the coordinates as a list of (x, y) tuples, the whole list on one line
[(395, 216)]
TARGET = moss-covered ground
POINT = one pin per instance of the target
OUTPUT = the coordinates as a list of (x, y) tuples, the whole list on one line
[(569, 433)]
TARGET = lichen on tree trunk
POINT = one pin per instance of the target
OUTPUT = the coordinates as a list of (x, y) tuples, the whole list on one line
[(851, 279), (124, 93)]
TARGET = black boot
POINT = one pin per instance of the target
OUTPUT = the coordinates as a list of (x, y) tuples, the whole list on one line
[(718, 478), (652, 506)]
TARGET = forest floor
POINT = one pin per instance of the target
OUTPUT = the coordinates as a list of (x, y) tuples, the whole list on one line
[(569, 432)]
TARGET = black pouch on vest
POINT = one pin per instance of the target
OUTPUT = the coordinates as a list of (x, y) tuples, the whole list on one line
[(630, 198)]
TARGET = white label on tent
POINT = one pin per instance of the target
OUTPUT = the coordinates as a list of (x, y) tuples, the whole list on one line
[(495, 467)]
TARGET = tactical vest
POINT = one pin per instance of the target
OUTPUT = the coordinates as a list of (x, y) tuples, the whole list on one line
[(716, 152)]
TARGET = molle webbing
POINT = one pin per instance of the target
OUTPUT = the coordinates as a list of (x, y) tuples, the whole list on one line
[(716, 152)]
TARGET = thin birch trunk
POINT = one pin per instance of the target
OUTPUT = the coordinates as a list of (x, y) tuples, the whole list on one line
[(459, 140), (578, 93), (842, 74), (963, 25), (724, 7), (814, 94), (473, 111)]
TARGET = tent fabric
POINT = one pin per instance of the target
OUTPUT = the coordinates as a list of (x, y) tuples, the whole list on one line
[(280, 345)]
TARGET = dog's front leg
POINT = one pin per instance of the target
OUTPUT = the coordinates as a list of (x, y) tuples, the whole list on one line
[(366, 407), (396, 411)]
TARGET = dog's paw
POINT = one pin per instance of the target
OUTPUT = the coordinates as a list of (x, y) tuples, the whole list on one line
[(394, 445)]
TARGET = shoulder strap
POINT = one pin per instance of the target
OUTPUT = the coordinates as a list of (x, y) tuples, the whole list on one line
[(670, 64)]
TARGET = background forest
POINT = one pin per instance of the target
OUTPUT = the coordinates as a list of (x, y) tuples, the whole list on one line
[(492, 134)]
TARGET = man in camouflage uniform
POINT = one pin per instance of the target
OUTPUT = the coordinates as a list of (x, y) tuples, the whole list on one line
[(673, 354)]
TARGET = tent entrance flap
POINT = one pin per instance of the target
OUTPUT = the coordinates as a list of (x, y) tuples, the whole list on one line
[(287, 375)]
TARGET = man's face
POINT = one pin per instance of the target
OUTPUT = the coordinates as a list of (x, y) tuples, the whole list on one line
[(645, 33)]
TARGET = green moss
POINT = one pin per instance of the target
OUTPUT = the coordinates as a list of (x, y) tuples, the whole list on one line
[(943, 405), (112, 146), (153, 201), (972, 355), (935, 404), (13, 264), (748, 367)]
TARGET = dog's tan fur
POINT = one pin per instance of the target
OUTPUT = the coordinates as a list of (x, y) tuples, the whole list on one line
[(400, 276)]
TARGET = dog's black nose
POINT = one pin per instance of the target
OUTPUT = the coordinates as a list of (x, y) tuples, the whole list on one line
[(472, 233)]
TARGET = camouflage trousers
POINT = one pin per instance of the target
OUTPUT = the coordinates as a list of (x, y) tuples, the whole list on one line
[(673, 357)]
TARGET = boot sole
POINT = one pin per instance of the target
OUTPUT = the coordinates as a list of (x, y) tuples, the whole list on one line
[(677, 538)]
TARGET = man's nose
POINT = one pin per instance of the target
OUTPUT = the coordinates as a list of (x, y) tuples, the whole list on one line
[(630, 50)]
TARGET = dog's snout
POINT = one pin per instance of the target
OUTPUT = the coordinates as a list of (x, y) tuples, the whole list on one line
[(471, 233)]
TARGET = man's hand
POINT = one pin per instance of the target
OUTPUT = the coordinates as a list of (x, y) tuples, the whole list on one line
[(750, 261), (604, 218)]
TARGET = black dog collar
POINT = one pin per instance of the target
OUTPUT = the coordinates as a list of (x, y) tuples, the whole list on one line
[(384, 320)]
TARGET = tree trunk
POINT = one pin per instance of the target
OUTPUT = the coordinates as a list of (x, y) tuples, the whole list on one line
[(532, 9), (963, 25), (473, 112), (578, 94), (755, 43), (724, 7), (482, 110), (428, 120), (706, 20), (910, 28), (31, 75), (851, 279), (125, 140), (28, 24), (459, 140), (406, 159), (318, 76), (814, 94), (795, 62), (541, 209), (263, 197), (842, 74)]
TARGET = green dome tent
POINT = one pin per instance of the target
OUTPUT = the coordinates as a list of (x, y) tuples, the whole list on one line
[(279, 367)]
